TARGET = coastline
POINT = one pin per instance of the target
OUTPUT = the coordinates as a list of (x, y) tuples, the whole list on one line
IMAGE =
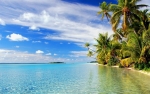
[(132, 69), (141, 71)]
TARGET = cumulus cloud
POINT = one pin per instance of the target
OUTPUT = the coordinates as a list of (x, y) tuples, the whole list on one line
[(39, 52), (33, 27), (67, 19), (16, 37), (81, 56), (48, 54), (2, 22), (78, 53), (72, 21), (12, 56), (27, 16), (55, 54)]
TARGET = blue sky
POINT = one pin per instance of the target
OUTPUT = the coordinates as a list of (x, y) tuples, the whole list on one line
[(49, 30)]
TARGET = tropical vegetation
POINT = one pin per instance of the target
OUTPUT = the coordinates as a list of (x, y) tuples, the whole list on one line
[(129, 46)]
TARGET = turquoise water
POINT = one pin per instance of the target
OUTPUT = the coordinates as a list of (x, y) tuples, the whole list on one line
[(70, 79)]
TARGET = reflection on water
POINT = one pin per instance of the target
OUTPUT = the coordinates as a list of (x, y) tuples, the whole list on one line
[(71, 79), (122, 81)]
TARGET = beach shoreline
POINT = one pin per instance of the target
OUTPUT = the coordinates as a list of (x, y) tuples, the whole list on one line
[(130, 68)]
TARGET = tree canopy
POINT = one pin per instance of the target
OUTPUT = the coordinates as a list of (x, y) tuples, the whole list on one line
[(130, 43)]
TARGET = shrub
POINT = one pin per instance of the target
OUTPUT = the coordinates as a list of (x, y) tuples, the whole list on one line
[(142, 66), (127, 62), (112, 61)]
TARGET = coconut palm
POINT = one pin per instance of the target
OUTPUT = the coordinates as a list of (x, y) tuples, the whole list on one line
[(87, 45), (90, 51), (90, 54), (103, 42), (114, 53), (126, 8), (102, 47), (137, 49), (119, 35), (131, 50), (131, 43), (104, 10), (145, 18), (137, 27)]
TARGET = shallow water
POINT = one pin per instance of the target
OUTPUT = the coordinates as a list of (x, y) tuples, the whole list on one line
[(70, 79)]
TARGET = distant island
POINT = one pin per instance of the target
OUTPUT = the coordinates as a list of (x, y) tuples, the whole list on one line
[(56, 62), (93, 62)]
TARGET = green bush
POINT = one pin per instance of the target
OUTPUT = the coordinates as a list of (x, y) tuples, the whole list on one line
[(142, 66), (136, 65), (112, 61)]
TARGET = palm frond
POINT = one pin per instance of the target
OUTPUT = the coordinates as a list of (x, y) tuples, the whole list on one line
[(86, 44), (99, 12), (115, 23), (140, 6), (90, 53), (114, 7)]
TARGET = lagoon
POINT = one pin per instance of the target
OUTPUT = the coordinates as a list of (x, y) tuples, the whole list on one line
[(71, 78)]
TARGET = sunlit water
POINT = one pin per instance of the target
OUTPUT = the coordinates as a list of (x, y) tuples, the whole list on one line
[(70, 79)]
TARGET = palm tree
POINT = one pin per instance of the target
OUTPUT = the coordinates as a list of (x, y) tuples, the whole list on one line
[(137, 27), (103, 42), (119, 35), (102, 47), (145, 18), (131, 43), (104, 10), (87, 45), (114, 53), (126, 8), (131, 50), (137, 49), (90, 54)]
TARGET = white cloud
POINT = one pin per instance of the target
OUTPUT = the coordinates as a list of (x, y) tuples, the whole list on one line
[(48, 54), (72, 21), (55, 54), (39, 52), (36, 41), (2, 22), (28, 16), (33, 27), (80, 56), (16, 37), (78, 53), (12, 56)]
